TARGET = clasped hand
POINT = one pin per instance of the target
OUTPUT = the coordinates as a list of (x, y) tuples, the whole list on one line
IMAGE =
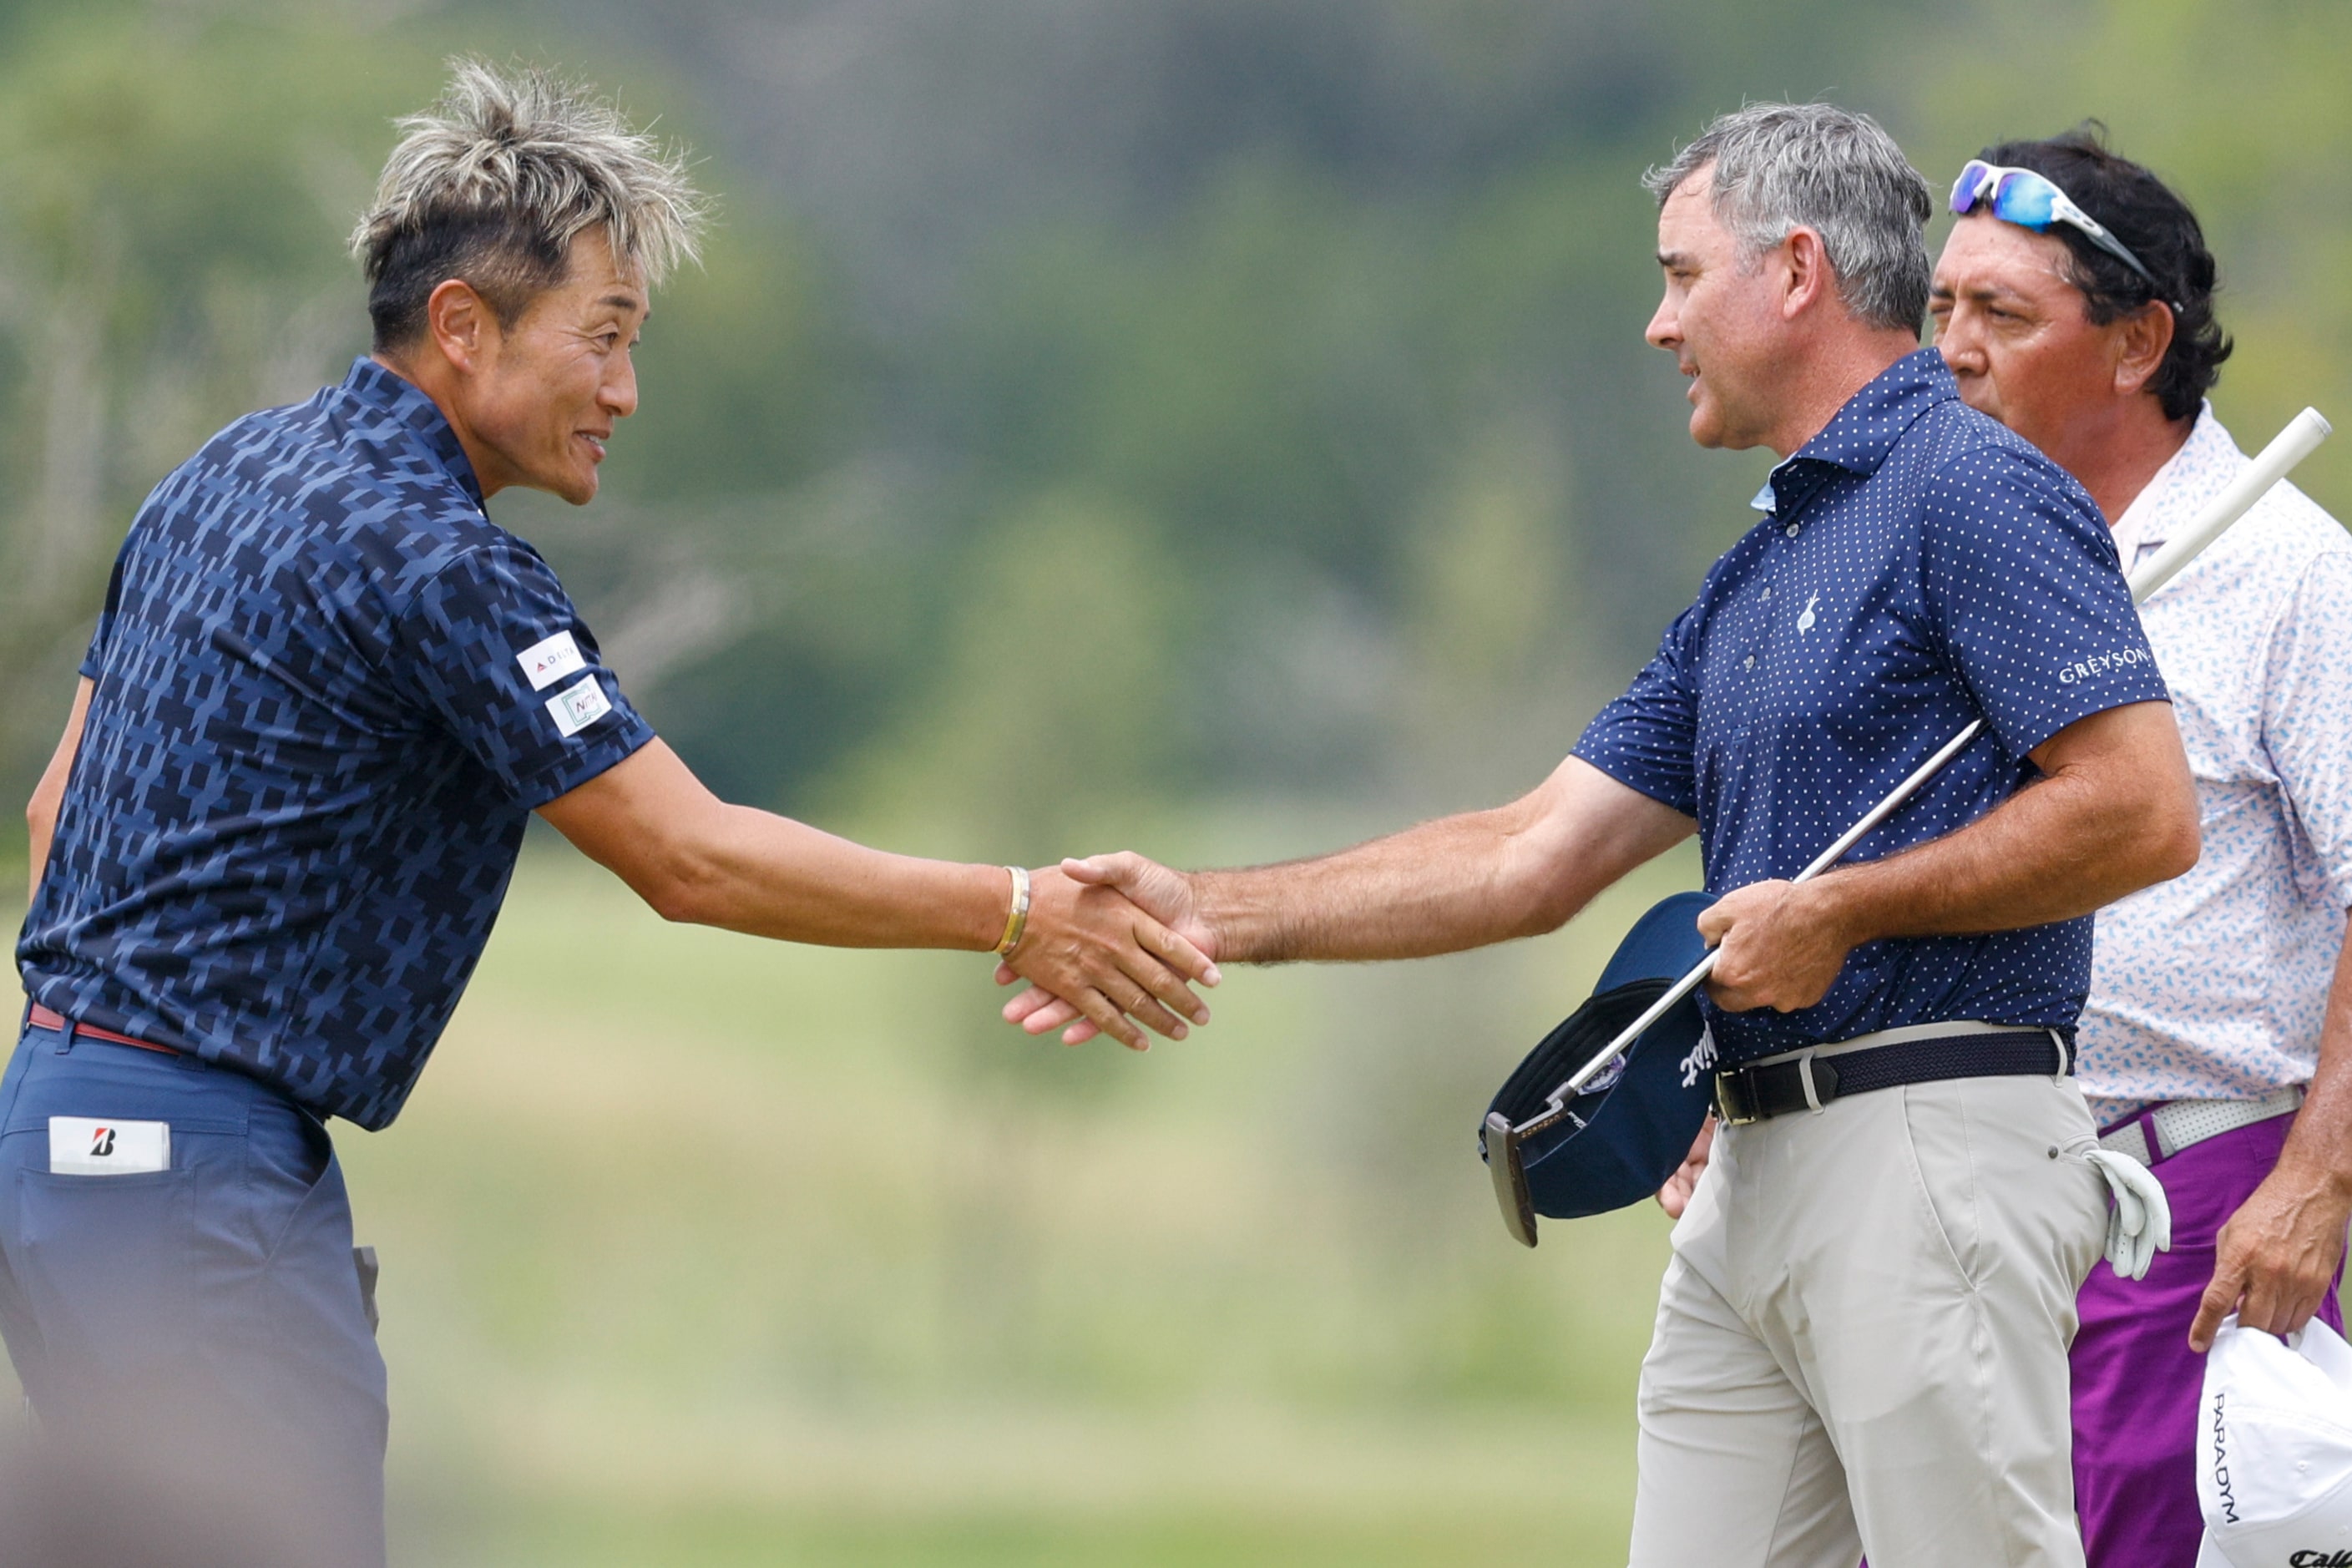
[(1102, 960), (1155, 897)]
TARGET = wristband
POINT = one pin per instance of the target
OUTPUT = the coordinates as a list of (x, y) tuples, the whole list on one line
[(1017, 918)]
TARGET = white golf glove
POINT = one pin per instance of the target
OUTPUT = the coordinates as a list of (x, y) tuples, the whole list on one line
[(2140, 1225)]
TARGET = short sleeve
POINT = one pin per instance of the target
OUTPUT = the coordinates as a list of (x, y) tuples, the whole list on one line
[(2306, 712), (1647, 739), (2018, 574), (492, 647), (94, 659)]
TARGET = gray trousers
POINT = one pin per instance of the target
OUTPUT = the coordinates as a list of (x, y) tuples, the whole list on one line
[(1862, 1337)]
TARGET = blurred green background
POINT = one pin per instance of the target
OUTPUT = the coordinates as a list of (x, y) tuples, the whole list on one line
[(1220, 427)]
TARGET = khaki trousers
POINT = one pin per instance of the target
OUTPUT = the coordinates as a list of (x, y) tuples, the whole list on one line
[(1862, 1337)]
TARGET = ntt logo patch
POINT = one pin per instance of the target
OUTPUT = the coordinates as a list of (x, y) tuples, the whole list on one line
[(2100, 664)]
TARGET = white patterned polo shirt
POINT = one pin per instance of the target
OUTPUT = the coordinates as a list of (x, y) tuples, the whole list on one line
[(2212, 986)]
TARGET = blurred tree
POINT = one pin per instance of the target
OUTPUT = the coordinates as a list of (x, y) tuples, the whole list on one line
[(173, 194)]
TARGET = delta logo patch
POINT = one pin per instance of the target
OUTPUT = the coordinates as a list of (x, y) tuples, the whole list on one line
[(95, 1146), (545, 663)]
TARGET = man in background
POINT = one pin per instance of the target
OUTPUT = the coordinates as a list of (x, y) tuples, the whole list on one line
[(325, 693), (1862, 1336), (2216, 1042)]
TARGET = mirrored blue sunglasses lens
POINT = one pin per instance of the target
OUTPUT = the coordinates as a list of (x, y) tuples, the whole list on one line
[(2027, 200), (1969, 187)]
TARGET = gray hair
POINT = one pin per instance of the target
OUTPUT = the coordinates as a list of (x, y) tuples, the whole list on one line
[(1779, 167), (495, 181)]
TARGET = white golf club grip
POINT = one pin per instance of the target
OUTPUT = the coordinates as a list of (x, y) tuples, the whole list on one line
[(2291, 446), (2302, 436)]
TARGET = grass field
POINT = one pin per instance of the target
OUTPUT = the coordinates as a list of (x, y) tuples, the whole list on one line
[(703, 1251)]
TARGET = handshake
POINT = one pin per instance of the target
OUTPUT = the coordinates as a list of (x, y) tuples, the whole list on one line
[(1111, 945)]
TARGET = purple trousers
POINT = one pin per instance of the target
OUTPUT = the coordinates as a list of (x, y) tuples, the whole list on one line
[(2137, 1384)]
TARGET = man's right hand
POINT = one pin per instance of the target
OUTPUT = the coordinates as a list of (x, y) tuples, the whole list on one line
[(1092, 948), (1159, 892), (1458, 882), (1675, 1195)]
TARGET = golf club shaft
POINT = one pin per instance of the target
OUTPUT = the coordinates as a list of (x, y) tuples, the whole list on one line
[(2301, 435), (1821, 862)]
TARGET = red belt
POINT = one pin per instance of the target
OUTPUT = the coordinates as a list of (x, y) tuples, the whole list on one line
[(43, 1018)]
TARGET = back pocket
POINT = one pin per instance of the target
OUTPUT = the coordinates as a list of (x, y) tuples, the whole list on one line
[(104, 1264)]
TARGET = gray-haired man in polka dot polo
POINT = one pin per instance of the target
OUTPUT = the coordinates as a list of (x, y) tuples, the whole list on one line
[(1862, 1337)]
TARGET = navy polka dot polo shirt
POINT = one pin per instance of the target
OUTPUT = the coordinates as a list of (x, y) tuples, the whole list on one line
[(1920, 566)]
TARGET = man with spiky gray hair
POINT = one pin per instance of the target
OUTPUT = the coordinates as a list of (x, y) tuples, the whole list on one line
[(324, 695), (1862, 1335)]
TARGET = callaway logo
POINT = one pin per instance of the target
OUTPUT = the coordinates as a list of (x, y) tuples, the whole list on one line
[(2320, 1560), (101, 1142), (1805, 621), (1702, 1057), (2221, 1468)]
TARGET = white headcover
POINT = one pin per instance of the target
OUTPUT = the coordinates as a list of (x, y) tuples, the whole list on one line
[(2274, 1450)]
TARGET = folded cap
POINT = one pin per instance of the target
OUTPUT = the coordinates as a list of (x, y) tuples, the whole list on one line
[(1634, 1124), (2274, 1450)]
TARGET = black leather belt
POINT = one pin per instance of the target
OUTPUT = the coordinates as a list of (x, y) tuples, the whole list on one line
[(1810, 1081)]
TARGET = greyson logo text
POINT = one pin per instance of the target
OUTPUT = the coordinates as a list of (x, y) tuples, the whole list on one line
[(2099, 663)]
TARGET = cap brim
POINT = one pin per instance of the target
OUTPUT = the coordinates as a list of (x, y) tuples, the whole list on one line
[(1622, 1139)]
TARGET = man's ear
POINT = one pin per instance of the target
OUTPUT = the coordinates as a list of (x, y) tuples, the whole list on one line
[(2141, 340), (1809, 280), (461, 325)]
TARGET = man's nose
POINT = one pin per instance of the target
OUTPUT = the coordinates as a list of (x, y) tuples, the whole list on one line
[(1959, 342), (1665, 329), (619, 392)]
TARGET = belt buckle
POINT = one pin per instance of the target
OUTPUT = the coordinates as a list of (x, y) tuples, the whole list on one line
[(1735, 1103)]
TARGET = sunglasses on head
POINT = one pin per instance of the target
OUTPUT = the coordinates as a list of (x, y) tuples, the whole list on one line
[(2030, 201)]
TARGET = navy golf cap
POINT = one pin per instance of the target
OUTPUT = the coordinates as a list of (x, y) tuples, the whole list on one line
[(1616, 1142)]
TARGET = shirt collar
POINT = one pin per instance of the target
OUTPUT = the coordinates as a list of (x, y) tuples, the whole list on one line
[(1862, 432), (393, 394), (2173, 492)]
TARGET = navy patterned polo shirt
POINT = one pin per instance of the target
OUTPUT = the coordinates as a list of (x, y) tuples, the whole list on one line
[(1921, 566), (330, 692)]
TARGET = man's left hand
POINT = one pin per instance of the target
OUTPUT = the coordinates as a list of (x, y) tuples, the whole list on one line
[(2276, 1257), (1781, 947)]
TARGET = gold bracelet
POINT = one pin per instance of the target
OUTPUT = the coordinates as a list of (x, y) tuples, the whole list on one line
[(1016, 918)]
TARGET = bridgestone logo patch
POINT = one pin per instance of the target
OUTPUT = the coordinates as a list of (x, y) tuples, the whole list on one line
[(101, 1146)]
